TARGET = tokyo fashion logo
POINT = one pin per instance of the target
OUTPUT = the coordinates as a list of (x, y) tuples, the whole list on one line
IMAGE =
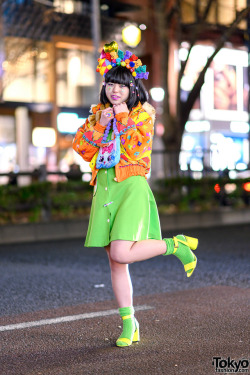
[(228, 365)]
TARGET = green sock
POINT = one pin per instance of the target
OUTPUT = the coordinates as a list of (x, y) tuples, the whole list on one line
[(127, 314), (170, 246)]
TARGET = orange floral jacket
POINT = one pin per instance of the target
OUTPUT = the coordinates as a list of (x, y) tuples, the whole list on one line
[(136, 131)]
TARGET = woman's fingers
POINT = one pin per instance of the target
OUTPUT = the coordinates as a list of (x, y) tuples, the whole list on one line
[(122, 107), (106, 116)]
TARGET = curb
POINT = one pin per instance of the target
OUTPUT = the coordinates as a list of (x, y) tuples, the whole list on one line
[(72, 229)]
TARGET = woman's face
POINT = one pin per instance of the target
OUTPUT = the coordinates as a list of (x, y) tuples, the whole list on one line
[(116, 93)]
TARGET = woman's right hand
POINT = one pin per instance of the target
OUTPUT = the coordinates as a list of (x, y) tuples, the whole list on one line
[(106, 116)]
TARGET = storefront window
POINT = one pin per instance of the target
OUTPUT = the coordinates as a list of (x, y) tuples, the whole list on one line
[(26, 70), (75, 78), (228, 152)]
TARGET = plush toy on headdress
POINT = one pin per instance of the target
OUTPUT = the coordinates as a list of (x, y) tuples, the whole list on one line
[(111, 56)]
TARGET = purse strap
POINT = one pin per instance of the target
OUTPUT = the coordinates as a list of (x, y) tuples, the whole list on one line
[(106, 133)]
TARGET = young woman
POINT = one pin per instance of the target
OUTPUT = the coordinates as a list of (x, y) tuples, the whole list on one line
[(117, 141)]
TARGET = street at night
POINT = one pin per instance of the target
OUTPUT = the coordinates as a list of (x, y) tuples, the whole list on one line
[(184, 322)]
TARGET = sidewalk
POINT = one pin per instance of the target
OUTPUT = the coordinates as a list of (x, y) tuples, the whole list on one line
[(17, 233)]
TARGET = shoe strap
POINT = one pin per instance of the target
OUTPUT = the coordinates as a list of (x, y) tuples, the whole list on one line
[(124, 339), (127, 317), (189, 266), (176, 245)]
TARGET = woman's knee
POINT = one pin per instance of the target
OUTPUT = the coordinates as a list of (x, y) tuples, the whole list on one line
[(118, 268), (119, 251), (118, 257)]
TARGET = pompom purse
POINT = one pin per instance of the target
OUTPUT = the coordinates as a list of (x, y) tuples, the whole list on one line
[(109, 155)]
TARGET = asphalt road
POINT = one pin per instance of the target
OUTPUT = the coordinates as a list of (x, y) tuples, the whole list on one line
[(184, 322)]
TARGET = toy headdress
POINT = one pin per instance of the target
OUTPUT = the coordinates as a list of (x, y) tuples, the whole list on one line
[(111, 56)]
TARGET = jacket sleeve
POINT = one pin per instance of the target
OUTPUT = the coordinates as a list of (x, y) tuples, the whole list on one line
[(88, 140), (136, 136)]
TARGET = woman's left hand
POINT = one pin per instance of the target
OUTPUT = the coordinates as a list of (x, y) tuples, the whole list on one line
[(122, 107)]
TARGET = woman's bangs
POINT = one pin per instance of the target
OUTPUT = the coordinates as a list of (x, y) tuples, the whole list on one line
[(119, 75)]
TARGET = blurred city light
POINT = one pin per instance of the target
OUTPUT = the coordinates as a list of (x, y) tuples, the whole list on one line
[(44, 137), (232, 174), (196, 165), (67, 6), (160, 129), (239, 127), (157, 94), (183, 52), (241, 166), (246, 186), (230, 188), (74, 69), (104, 7), (188, 143), (217, 188), (197, 126), (43, 55), (69, 122), (131, 35)]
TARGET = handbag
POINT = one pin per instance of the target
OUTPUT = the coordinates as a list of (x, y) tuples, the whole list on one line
[(109, 155)]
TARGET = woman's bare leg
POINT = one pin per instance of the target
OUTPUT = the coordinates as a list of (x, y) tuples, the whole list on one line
[(122, 287), (121, 282), (126, 252)]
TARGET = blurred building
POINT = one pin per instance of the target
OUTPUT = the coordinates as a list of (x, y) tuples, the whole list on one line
[(217, 133), (48, 79), (216, 137)]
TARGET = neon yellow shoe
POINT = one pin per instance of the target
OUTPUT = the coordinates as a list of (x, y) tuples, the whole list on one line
[(181, 246), (130, 331), (124, 341)]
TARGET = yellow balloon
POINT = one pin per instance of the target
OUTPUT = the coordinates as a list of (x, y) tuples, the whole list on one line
[(131, 35)]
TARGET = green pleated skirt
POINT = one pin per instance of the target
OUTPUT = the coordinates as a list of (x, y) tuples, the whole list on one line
[(122, 211)]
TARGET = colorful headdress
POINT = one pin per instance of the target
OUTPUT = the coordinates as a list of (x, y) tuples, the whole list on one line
[(111, 56)]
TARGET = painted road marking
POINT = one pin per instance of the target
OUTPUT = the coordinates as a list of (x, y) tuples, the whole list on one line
[(64, 319)]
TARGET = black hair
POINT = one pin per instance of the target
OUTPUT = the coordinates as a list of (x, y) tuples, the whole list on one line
[(123, 76)]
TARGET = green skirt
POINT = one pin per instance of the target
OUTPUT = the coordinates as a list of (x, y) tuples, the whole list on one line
[(122, 211)]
